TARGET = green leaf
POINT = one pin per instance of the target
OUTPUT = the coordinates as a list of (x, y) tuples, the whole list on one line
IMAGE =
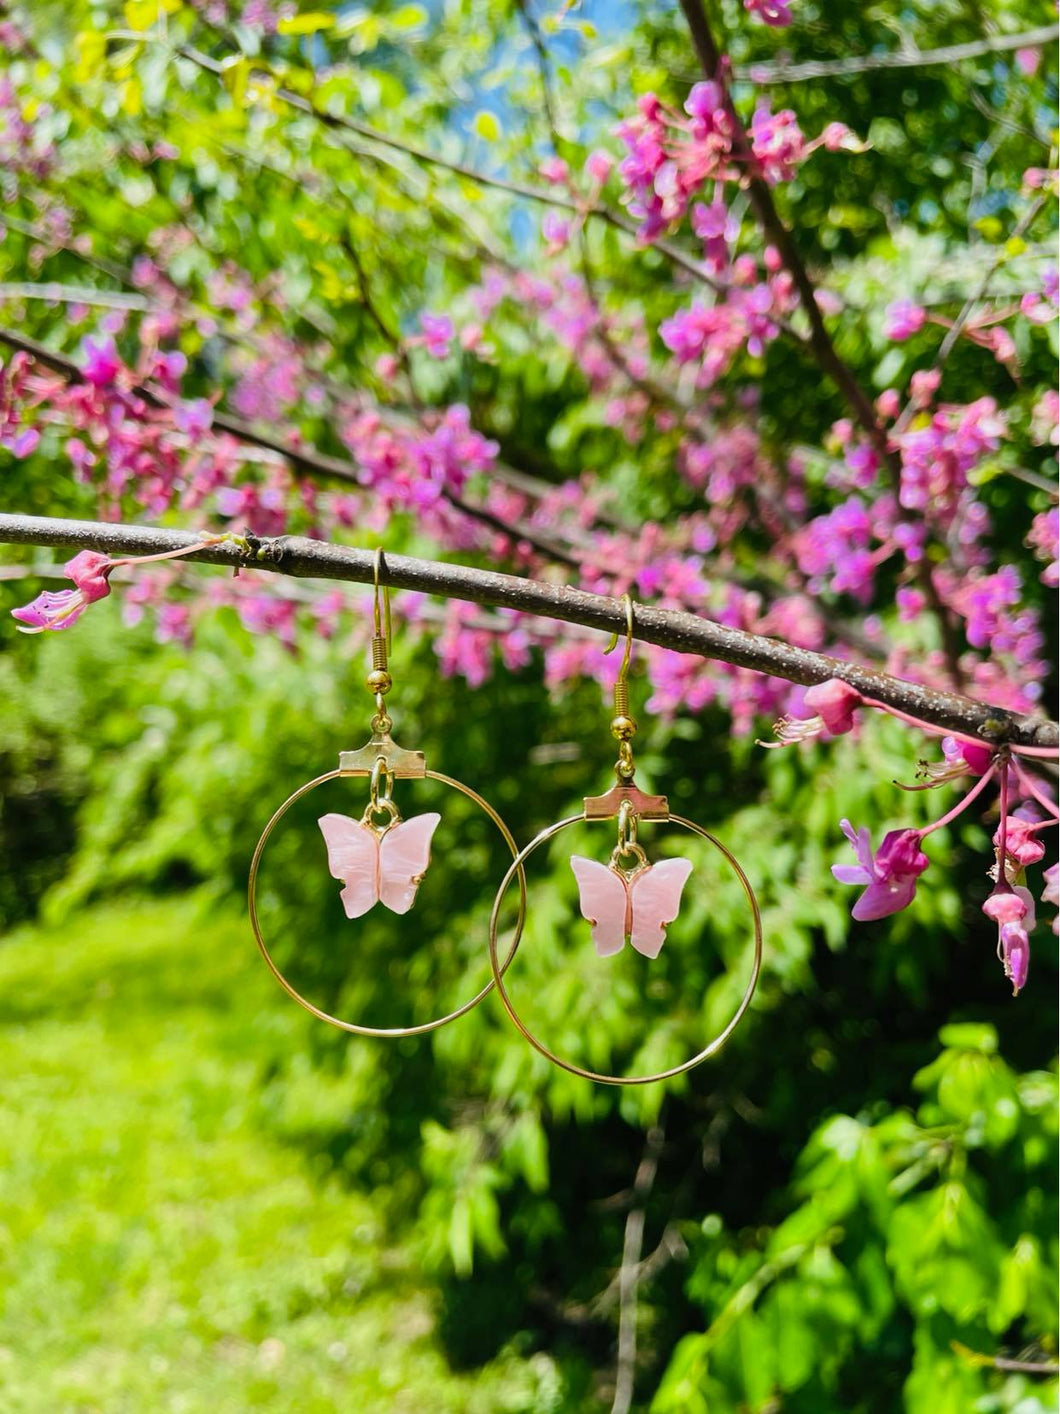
[(309, 23), (408, 17), (487, 125), (970, 1036), (461, 1239)]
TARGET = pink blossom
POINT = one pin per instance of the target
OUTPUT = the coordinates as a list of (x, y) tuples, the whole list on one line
[(554, 170), (1051, 892), (835, 702), (903, 318), (26, 442), (1012, 909), (890, 876), (1040, 307), (265, 613), (705, 103), (61, 609), (775, 12), (1045, 419), (777, 143), (837, 137), (101, 362), (717, 229), (910, 603), (598, 166), (438, 334), (1021, 844), (1044, 539), (556, 232), (173, 624), (937, 458), (1040, 178), (194, 418), (260, 509), (834, 549), (923, 385), (967, 756)]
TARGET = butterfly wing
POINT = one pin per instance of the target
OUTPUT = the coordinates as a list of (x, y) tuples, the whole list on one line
[(353, 857), (604, 900), (404, 853), (656, 898)]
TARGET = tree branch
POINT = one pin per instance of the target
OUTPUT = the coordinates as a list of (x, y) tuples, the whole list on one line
[(301, 459), (307, 461), (821, 345), (667, 628), (710, 59)]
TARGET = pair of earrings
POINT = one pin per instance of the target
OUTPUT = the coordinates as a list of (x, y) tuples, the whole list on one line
[(381, 858)]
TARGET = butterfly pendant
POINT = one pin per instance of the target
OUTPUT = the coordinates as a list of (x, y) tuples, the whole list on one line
[(378, 866), (632, 908)]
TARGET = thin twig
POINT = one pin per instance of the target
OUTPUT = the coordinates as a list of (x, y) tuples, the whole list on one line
[(957, 328), (533, 31), (629, 1276), (901, 59), (55, 293), (545, 196), (667, 628), (1046, 1368)]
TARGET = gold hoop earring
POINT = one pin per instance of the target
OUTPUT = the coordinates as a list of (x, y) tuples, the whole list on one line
[(607, 892), (378, 860)]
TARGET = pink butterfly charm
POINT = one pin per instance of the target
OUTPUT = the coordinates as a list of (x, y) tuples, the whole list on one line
[(636, 908), (378, 866)]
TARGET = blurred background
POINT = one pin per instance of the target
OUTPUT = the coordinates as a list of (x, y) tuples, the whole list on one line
[(211, 1203)]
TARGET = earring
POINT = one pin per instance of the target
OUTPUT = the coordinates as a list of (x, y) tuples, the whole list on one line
[(379, 858), (628, 898)]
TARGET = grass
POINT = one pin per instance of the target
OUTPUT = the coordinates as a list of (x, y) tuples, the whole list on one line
[(160, 1250)]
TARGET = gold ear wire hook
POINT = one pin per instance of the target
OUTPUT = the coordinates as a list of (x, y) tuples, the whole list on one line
[(623, 727), (621, 682), (379, 619), (379, 680)]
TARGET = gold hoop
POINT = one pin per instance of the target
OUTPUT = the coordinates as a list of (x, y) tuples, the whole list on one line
[(498, 972), (354, 1027)]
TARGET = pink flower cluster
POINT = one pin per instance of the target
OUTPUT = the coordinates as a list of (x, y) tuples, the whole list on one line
[(1044, 539), (24, 148), (937, 458), (890, 875), (415, 467), (713, 335), (669, 155), (261, 15)]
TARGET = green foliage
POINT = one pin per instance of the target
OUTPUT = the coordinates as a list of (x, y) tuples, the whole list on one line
[(163, 1244), (909, 1223), (844, 1249)]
